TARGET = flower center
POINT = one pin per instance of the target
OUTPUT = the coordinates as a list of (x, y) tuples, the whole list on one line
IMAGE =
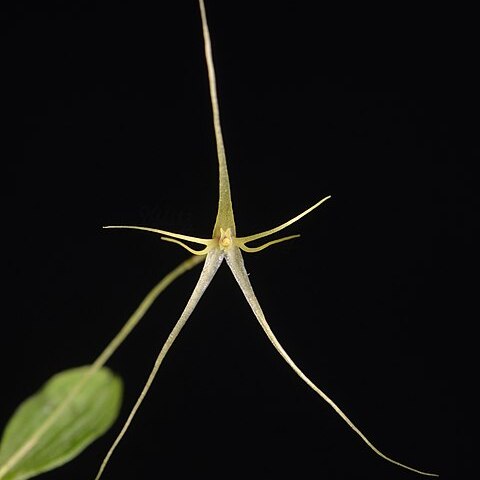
[(225, 239)]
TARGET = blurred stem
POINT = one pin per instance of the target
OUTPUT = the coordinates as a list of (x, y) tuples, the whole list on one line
[(101, 360)]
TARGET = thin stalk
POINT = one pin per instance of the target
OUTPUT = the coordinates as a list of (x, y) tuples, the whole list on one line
[(100, 361)]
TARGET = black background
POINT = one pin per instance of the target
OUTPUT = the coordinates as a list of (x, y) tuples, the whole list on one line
[(111, 124)]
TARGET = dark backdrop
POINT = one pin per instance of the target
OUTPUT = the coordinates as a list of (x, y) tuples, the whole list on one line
[(112, 124)]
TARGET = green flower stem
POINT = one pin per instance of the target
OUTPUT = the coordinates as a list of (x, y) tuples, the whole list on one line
[(101, 360)]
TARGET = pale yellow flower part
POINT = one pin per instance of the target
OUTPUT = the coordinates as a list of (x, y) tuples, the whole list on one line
[(224, 244)]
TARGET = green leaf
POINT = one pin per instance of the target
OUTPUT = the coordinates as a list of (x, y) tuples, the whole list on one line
[(88, 416)]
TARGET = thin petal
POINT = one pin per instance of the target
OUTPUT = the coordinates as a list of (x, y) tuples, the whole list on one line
[(225, 211), (256, 236), (204, 251), (212, 262), (265, 245), (188, 238), (235, 262)]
